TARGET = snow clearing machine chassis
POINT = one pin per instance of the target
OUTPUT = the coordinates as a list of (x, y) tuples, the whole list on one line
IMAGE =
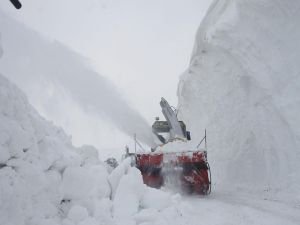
[(191, 167)]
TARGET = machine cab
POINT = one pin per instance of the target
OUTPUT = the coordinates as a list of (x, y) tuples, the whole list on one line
[(162, 130)]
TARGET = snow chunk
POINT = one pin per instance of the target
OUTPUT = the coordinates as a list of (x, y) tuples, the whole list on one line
[(102, 211), (77, 213), (116, 175), (89, 154), (85, 182), (156, 199), (146, 216), (128, 195)]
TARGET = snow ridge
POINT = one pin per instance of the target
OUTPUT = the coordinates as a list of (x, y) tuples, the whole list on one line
[(243, 86)]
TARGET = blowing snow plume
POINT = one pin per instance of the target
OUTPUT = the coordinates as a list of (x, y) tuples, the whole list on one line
[(30, 59)]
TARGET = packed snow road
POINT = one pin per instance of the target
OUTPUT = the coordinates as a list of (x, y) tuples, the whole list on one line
[(225, 208)]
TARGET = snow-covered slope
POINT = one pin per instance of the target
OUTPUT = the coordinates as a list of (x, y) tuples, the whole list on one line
[(40, 171), (45, 180), (243, 85)]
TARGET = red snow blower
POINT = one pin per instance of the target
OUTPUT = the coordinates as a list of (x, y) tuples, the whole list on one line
[(190, 168)]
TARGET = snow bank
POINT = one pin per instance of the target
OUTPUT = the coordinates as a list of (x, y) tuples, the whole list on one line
[(45, 180), (135, 203), (243, 85), (92, 179), (42, 176)]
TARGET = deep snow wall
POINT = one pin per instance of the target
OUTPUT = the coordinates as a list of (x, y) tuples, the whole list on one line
[(45, 180), (40, 169), (243, 86)]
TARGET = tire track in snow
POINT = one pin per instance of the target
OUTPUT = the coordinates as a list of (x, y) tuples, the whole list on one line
[(235, 209)]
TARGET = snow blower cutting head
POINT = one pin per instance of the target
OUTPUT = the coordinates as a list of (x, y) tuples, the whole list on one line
[(190, 168)]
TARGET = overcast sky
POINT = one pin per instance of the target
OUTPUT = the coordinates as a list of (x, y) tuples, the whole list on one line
[(143, 46)]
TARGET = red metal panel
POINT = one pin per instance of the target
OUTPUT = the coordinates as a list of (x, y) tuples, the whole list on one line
[(149, 159), (191, 157), (195, 170)]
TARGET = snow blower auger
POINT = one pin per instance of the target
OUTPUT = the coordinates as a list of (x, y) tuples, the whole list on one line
[(191, 168)]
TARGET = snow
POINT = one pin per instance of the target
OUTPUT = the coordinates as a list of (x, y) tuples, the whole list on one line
[(242, 85), (178, 146), (92, 179), (130, 190), (43, 178), (116, 175), (77, 214), (65, 88), (155, 199), (52, 182)]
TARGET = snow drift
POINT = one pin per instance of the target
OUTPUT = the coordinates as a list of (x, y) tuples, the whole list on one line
[(45, 180), (39, 168), (243, 85)]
